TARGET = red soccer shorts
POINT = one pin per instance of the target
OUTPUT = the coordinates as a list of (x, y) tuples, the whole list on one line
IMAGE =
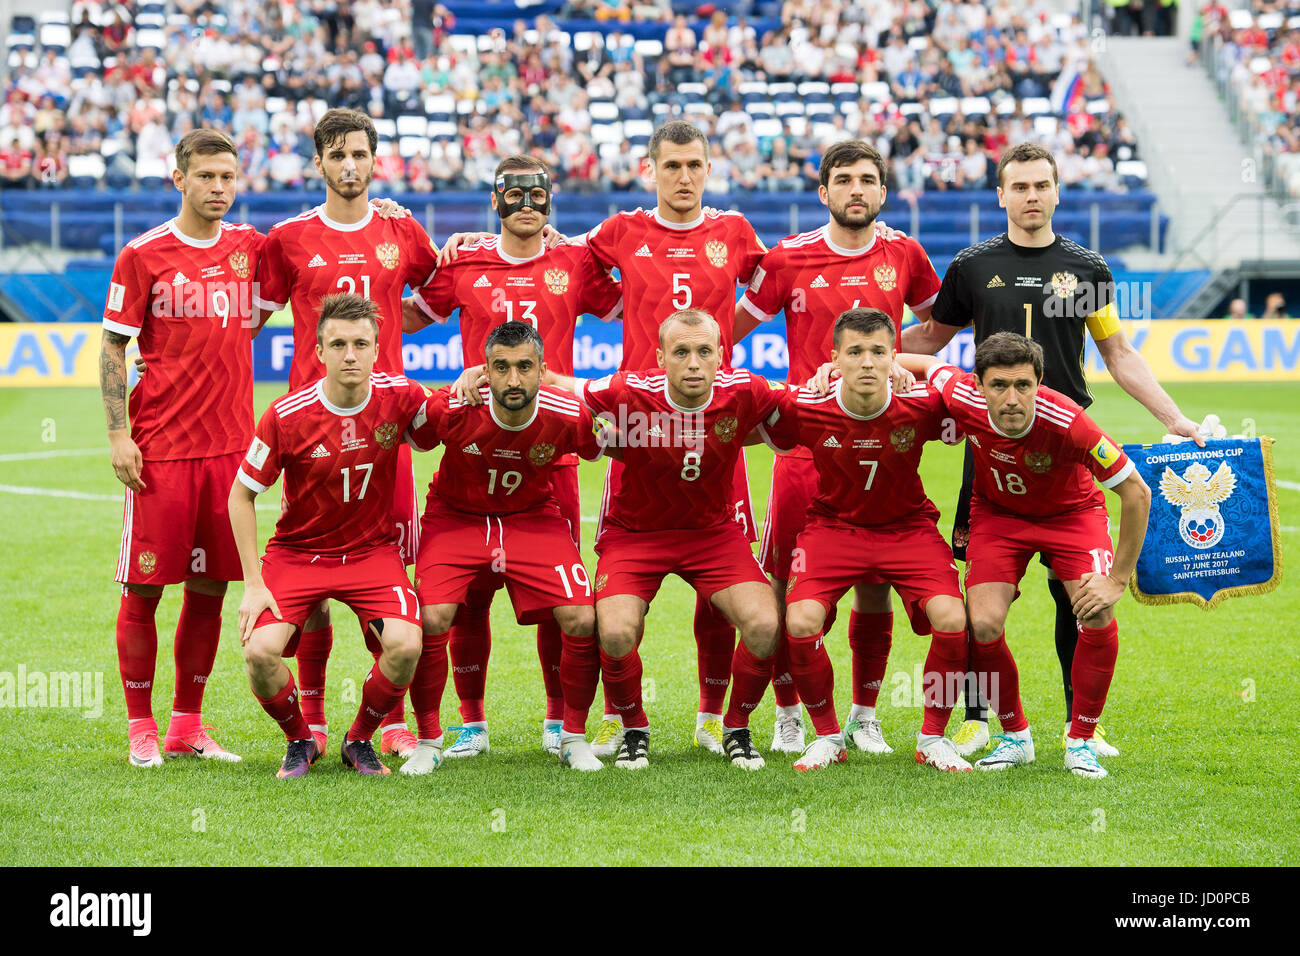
[(794, 484), (564, 489), (911, 557), (372, 583), (406, 507), (1002, 544), (178, 527), (739, 507), (531, 552), (709, 560)]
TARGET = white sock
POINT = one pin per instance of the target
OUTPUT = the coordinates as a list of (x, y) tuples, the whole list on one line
[(731, 730), (566, 737), (436, 742), (1018, 734), (795, 710), (837, 738), (480, 724), (858, 712), (614, 717), (701, 718)]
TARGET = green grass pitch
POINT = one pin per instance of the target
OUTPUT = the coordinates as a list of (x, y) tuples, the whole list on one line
[(1203, 708)]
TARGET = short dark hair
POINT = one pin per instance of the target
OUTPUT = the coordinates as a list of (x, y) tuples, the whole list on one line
[(846, 154), (347, 307), (1005, 349), (510, 334), (1027, 153), (201, 142), (335, 125), (520, 164), (679, 133), (691, 318), (864, 321)]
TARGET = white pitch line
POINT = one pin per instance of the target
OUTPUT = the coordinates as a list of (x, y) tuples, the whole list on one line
[(1289, 485), (85, 495), (37, 455)]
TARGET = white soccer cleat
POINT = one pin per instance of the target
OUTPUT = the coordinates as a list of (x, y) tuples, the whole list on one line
[(425, 758), (576, 753), (971, 737), (1100, 746), (471, 742), (1080, 758), (867, 736), (708, 733), (609, 737), (788, 735), (821, 753), (939, 752), (1012, 749), (551, 731)]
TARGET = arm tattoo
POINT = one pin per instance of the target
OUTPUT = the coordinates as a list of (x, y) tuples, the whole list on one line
[(112, 379)]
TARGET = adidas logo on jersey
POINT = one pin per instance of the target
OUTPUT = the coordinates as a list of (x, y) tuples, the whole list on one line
[(819, 282), (320, 452), (995, 283), (831, 442), (482, 282), (180, 279), (316, 262), (471, 449), (645, 252), (655, 432)]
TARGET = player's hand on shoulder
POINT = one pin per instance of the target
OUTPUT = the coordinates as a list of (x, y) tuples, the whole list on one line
[(820, 383), (887, 233), (257, 598), (390, 208), (471, 380), (413, 317), (128, 463), (903, 379), (552, 237), (457, 241), (140, 365), (1097, 592)]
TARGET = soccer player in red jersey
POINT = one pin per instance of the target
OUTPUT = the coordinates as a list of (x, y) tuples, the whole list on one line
[(514, 277), (343, 246), (870, 525), (681, 428), (184, 289), (674, 257), (1036, 454), (492, 513), (336, 442), (814, 277)]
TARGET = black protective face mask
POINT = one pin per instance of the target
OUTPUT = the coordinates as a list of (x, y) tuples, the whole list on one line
[(508, 181)]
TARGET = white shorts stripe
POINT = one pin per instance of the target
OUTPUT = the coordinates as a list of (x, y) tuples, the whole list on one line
[(766, 543), (128, 518)]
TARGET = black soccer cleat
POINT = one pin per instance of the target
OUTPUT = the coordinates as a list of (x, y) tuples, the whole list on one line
[(634, 752), (299, 756), (740, 750), (359, 755)]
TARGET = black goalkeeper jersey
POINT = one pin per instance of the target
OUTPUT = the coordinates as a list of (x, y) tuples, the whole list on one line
[(1049, 295)]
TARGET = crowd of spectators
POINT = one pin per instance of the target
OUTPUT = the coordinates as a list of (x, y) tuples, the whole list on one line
[(940, 87)]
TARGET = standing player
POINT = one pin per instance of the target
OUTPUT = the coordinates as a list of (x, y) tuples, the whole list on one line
[(682, 426), (671, 258), (492, 513), (343, 246), (1036, 454), (814, 277), (183, 289), (870, 526), (336, 441), (1031, 281), (513, 277)]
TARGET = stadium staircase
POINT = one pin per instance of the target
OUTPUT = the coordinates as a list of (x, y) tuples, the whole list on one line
[(1223, 220)]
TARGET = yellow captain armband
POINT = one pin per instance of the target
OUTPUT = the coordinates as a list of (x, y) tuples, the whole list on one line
[(1103, 323)]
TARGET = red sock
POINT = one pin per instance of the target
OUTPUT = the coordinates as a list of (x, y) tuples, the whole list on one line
[(198, 632), (550, 651), (313, 654), (815, 679), (427, 687), (377, 696), (623, 683), (284, 710), (397, 716), (137, 651), (998, 678), (750, 677), (715, 643), (782, 679), (580, 671), (869, 640), (945, 674), (470, 645), (1091, 673)]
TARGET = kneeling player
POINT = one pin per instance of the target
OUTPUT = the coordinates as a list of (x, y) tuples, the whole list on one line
[(336, 441), (1036, 454), (869, 522), (682, 428), (491, 513)]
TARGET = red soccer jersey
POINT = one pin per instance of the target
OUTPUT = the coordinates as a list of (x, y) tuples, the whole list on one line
[(867, 468), (678, 462), (339, 465), (190, 302), (549, 290), (1046, 472), (670, 266), (495, 469), (309, 257)]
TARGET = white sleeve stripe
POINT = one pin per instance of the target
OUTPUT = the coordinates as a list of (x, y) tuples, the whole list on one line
[(266, 305), (767, 440), (1120, 475), (923, 305), (617, 308), (121, 329), (254, 486), (754, 310), (424, 307)]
